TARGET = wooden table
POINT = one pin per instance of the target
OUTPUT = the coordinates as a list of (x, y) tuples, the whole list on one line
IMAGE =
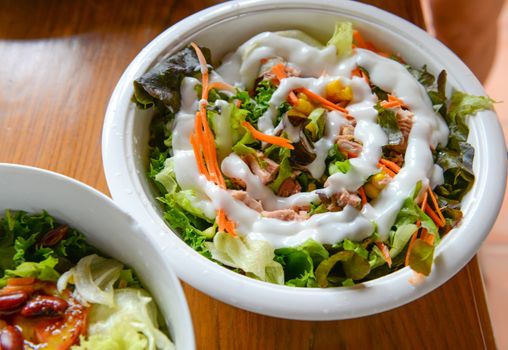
[(59, 63)]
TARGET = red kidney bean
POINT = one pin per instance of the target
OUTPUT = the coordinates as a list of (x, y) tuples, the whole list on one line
[(11, 339), (54, 236), (44, 305), (12, 300)]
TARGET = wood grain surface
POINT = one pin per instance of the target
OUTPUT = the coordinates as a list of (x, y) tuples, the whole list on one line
[(59, 63)]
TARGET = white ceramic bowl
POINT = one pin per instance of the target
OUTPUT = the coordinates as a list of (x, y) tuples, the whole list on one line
[(106, 227), (222, 28)]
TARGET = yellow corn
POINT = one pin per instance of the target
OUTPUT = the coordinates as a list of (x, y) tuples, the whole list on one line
[(371, 191), (337, 92), (304, 106), (302, 96), (377, 180)]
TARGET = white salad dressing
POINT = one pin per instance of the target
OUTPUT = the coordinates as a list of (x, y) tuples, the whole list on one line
[(242, 68)]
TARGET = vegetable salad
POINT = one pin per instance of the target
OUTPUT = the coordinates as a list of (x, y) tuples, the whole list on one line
[(58, 292), (308, 164)]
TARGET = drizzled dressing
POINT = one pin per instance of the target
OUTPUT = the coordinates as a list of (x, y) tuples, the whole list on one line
[(241, 68)]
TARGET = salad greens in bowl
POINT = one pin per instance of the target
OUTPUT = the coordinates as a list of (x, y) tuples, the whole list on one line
[(328, 166), (77, 273)]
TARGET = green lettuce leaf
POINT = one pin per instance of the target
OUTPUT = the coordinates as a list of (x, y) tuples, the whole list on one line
[(131, 324), (254, 257), (166, 177), (285, 171), (401, 237), (258, 105), (192, 229), (355, 267), (463, 105), (44, 270), (315, 127), (342, 38), (421, 257), (189, 201), (387, 120), (339, 166), (299, 263)]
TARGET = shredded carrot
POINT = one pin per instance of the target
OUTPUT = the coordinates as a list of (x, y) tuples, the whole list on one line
[(424, 202), (322, 100), (202, 141), (357, 72), (197, 155), (427, 237), (390, 165), (293, 100), (436, 205), (410, 247), (279, 70), (204, 71), (238, 103), (386, 253), (274, 140), (393, 102), (358, 40), (434, 217), (386, 170), (220, 85), (361, 191)]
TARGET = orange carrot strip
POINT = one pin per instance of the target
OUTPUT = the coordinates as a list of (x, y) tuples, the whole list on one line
[(357, 72), (221, 220), (197, 155), (386, 253), (279, 70), (410, 247), (424, 202), (390, 165), (394, 98), (361, 191), (220, 85), (204, 71), (436, 205), (322, 100), (391, 104), (434, 217), (293, 100), (358, 39), (275, 140), (386, 170), (205, 145)]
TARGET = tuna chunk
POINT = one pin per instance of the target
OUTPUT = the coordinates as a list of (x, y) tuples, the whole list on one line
[(339, 200), (244, 197), (346, 141), (285, 215), (267, 172), (289, 187)]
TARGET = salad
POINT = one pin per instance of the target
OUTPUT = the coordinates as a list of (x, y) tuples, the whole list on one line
[(308, 164), (58, 292)]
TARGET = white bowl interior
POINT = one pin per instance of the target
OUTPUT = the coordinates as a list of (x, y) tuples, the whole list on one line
[(106, 227), (125, 155)]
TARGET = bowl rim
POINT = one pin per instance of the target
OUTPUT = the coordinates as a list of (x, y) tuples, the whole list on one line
[(283, 301), (86, 190)]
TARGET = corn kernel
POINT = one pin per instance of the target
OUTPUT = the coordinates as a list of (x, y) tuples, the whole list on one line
[(311, 187), (302, 96), (371, 191), (336, 92), (304, 106), (378, 180)]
